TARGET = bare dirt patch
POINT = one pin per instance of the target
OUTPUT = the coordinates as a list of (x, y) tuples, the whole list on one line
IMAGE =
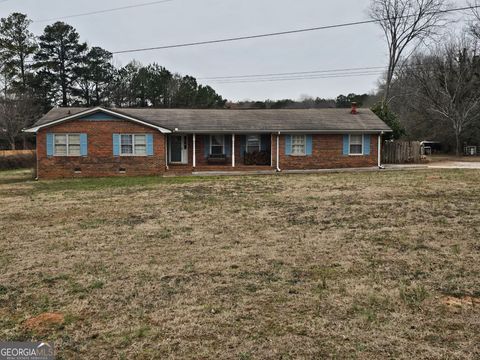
[(44, 322), (465, 301)]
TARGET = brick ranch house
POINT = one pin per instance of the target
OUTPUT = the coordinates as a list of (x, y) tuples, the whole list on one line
[(80, 142)]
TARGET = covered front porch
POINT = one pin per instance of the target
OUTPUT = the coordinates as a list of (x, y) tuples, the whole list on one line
[(218, 152)]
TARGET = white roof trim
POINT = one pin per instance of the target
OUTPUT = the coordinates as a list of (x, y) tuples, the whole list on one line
[(96, 109)]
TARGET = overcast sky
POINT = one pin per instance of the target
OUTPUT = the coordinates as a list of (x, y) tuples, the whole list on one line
[(180, 21)]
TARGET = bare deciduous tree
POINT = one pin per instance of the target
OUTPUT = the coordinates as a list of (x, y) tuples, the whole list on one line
[(404, 23), (15, 115), (450, 86), (475, 26)]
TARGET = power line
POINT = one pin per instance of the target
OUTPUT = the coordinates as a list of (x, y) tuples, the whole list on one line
[(102, 11), (243, 37), (279, 33), (291, 73), (352, 70), (346, 75)]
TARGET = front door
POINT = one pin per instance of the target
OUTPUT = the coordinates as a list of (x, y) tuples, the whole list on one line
[(178, 149)]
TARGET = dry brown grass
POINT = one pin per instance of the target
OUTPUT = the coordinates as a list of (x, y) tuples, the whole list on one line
[(279, 267)]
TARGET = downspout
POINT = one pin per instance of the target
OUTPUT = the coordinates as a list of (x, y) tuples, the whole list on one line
[(278, 152), (380, 166), (233, 150), (194, 151)]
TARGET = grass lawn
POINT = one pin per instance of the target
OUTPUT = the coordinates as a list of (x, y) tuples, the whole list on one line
[(350, 265)]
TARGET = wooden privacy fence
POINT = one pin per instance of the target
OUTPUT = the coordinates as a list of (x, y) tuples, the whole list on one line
[(401, 152), (5, 153)]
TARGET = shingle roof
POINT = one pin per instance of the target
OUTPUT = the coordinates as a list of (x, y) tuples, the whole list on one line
[(199, 120)]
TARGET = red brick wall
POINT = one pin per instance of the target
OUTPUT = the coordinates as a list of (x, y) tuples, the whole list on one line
[(100, 160), (327, 154)]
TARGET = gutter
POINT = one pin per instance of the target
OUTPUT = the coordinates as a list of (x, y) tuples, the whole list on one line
[(242, 131)]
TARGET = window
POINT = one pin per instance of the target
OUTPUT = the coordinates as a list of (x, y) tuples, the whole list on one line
[(140, 145), (356, 144), (66, 145), (298, 144), (217, 145), (253, 143), (133, 144)]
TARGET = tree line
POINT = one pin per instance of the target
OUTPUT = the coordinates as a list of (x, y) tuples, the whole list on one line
[(307, 102), (58, 69)]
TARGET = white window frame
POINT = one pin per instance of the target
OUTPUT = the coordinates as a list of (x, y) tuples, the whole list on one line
[(133, 145), (223, 143), (259, 142), (350, 145), (67, 143), (304, 153)]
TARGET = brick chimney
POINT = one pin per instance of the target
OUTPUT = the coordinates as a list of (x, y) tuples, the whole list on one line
[(354, 110)]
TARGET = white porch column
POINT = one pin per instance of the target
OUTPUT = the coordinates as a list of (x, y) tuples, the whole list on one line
[(379, 150), (278, 152), (233, 150), (194, 155)]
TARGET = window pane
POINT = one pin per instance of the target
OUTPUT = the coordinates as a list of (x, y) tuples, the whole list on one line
[(74, 150), (140, 149), (298, 150), (140, 139), (60, 139), (126, 144), (298, 140), (216, 146), (356, 139), (126, 139), (355, 149), (217, 140), (140, 145), (127, 149), (74, 145), (253, 143), (217, 150), (74, 139), (60, 149)]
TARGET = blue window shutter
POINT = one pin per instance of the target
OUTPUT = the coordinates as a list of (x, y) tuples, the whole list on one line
[(228, 145), (243, 145), (116, 144), (206, 145), (366, 144), (346, 144), (149, 144), (288, 145), (83, 145), (309, 145), (49, 144)]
